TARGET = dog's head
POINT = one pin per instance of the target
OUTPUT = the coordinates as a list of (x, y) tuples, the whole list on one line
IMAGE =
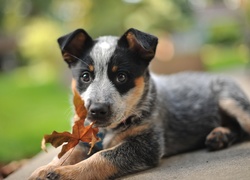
[(110, 73)]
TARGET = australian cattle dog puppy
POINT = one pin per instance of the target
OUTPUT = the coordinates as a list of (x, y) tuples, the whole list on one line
[(143, 117)]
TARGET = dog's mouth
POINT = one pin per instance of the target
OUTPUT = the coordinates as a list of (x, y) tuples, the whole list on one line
[(100, 123), (107, 123)]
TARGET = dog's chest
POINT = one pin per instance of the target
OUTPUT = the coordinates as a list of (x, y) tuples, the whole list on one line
[(109, 136)]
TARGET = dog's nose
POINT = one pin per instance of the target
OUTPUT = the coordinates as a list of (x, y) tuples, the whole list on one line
[(99, 110)]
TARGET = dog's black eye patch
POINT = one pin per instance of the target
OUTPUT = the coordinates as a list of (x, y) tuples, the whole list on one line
[(123, 69), (122, 84)]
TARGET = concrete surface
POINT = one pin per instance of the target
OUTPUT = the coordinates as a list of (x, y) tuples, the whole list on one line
[(228, 164)]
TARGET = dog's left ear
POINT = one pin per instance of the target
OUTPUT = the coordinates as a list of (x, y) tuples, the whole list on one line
[(74, 44), (139, 42)]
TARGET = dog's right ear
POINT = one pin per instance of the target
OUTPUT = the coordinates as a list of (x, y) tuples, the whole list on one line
[(74, 44)]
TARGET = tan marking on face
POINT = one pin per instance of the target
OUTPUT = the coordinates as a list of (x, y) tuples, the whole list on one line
[(134, 95), (73, 85), (91, 68), (74, 90), (128, 133), (114, 68), (232, 108)]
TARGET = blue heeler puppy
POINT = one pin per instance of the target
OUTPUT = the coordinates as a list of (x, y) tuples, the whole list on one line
[(143, 117)]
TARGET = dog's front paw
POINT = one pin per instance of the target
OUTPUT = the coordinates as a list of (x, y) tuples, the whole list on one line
[(53, 175), (62, 173), (41, 173)]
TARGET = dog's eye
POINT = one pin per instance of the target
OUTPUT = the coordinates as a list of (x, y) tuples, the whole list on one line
[(121, 78), (86, 77)]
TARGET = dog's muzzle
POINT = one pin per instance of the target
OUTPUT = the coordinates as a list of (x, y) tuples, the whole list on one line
[(99, 112)]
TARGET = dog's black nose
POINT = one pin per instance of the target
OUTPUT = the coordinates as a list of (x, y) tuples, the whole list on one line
[(99, 110)]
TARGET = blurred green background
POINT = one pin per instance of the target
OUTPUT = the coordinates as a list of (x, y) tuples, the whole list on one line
[(206, 35)]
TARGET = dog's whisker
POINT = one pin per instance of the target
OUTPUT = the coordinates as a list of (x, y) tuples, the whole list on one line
[(77, 58), (135, 113)]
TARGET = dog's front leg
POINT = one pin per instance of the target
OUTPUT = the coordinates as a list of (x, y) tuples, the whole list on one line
[(73, 156), (95, 167), (134, 154)]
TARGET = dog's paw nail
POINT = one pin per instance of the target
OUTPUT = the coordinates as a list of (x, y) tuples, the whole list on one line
[(52, 176)]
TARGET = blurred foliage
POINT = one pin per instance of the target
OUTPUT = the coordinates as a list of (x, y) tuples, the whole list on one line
[(225, 32), (37, 24), (218, 57), (113, 16)]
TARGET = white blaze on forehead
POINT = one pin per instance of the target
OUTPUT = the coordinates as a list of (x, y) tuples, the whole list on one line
[(104, 45), (103, 50)]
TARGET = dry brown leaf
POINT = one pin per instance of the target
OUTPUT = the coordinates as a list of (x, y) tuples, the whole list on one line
[(79, 131)]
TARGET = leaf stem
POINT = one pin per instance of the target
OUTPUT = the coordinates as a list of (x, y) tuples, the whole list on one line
[(68, 156)]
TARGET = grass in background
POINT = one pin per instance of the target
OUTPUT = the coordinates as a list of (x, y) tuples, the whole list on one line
[(217, 58), (27, 113)]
